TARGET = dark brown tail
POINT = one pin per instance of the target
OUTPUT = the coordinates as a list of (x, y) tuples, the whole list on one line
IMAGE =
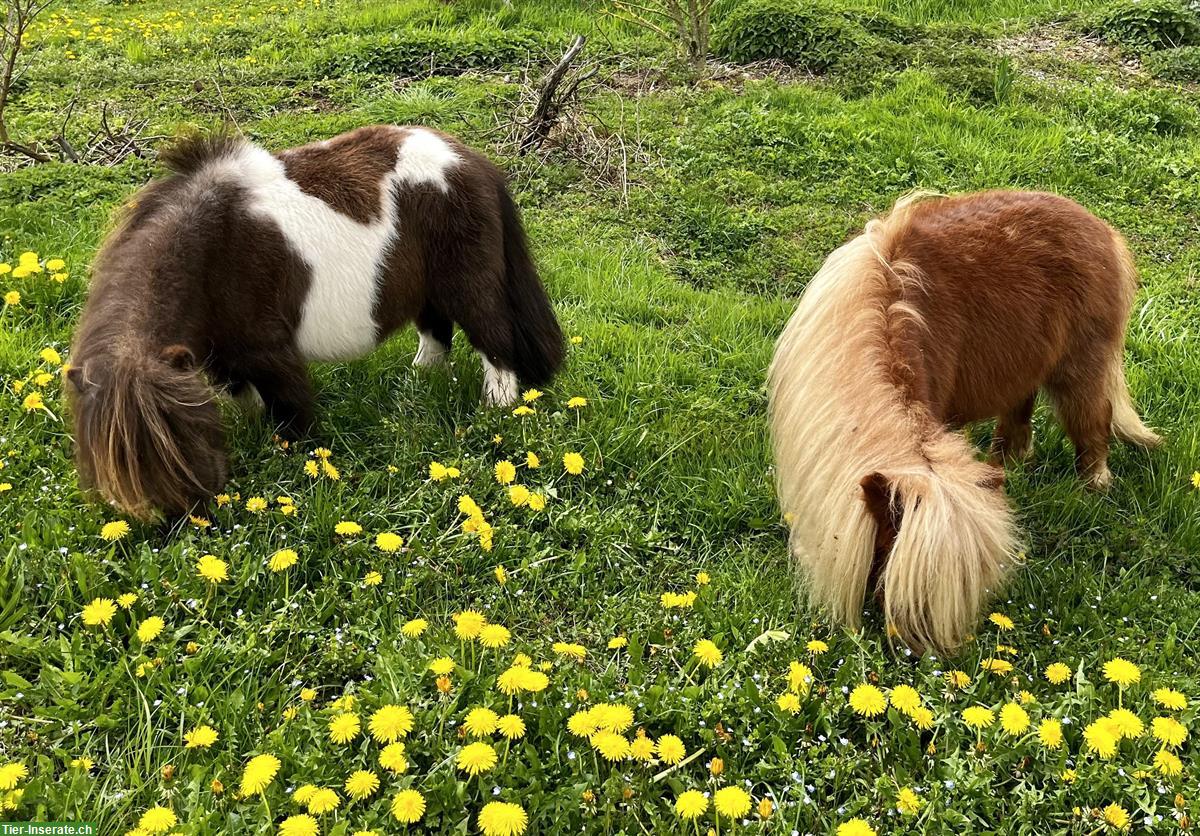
[(537, 339)]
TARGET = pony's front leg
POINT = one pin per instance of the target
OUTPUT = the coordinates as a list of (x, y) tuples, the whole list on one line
[(282, 382)]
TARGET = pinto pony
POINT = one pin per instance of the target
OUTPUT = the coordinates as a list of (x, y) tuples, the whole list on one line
[(241, 266), (946, 311)]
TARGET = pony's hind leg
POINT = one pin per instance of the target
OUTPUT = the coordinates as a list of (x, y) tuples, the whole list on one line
[(1081, 400), (1013, 440), (434, 332), (487, 322)]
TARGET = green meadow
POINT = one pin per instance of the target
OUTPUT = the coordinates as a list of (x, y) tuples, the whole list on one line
[(676, 218)]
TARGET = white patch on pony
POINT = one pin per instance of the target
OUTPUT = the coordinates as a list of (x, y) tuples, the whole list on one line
[(430, 351), (500, 386), (424, 158), (344, 256)]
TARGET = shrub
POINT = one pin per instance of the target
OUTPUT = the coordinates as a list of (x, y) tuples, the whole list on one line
[(809, 35), (442, 52), (1147, 25), (1179, 64)]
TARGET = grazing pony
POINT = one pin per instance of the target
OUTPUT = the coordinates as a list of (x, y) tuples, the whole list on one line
[(947, 311), (242, 266)]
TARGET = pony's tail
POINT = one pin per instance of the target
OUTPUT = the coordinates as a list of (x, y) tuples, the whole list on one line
[(537, 338), (1126, 424), (954, 546)]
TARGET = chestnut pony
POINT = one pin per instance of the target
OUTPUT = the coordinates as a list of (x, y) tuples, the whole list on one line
[(241, 266), (948, 310)]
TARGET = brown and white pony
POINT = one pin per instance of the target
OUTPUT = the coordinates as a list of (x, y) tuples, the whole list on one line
[(242, 266), (947, 311)]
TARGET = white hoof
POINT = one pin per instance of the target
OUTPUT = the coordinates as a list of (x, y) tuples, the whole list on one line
[(500, 386), (430, 352)]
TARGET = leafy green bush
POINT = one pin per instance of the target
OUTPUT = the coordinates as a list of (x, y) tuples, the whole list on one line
[(442, 52), (1147, 25), (810, 35), (1179, 64)]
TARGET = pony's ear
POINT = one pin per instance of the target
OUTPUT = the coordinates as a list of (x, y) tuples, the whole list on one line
[(879, 499), (179, 357), (75, 375)]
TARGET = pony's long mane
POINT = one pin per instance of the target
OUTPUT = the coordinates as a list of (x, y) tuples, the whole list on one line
[(845, 403), (191, 152), (132, 428)]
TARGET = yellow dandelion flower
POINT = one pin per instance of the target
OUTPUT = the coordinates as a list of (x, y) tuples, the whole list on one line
[(99, 612), (1014, 720), (574, 651), (577, 403), (905, 699), (361, 784), (908, 803), (1167, 763), (1116, 816), (408, 806), (256, 505), (733, 802), (611, 746), (308, 694), (1122, 672), (392, 758), (922, 718), (388, 541), (788, 701), (12, 298), (573, 463), (323, 800), (1050, 733), (511, 727), (157, 820), (372, 578), (505, 472), (1000, 667), (414, 627), (671, 749), (855, 827), (299, 825), (476, 758), (468, 624), (1001, 620), (390, 723), (614, 717), (344, 727), (617, 642), (283, 560), (347, 528), (1169, 731), (127, 600), (642, 748), (817, 647), (150, 629), (258, 774), (537, 501), (518, 495), (707, 653), (800, 677), (867, 700), (958, 679), (114, 530), (978, 717), (1057, 673), (690, 805), (500, 818), (582, 723), (1170, 698), (1101, 738), (441, 666), (200, 737), (480, 722), (1126, 723), (532, 461), (11, 774)]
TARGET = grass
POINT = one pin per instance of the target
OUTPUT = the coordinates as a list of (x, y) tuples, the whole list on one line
[(676, 270)]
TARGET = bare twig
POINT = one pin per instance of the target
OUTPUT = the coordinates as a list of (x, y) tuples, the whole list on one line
[(685, 23), (545, 114)]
